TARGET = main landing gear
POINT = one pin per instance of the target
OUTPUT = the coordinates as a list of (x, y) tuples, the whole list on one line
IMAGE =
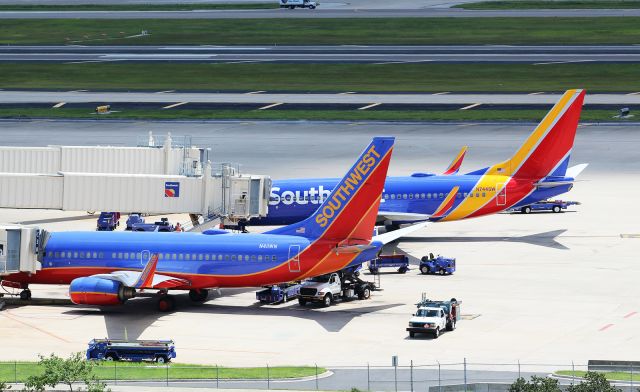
[(25, 295), (167, 303), (198, 295)]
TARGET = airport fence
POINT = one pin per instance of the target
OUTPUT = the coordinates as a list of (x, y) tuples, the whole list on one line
[(432, 377)]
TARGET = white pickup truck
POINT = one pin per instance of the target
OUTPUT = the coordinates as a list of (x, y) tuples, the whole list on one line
[(430, 320), (291, 4), (330, 287)]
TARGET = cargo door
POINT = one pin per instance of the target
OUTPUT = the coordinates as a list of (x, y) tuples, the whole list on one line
[(294, 258), (501, 196)]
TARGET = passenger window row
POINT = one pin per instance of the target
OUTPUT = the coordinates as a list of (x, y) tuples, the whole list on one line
[(428, 196), (161, 256)]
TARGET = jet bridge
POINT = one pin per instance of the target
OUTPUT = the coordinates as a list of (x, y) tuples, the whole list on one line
[(161, 175), (20, 248)]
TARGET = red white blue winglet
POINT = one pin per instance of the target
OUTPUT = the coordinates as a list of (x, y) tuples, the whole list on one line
[(146, 276), (456, 163), (446, 205)]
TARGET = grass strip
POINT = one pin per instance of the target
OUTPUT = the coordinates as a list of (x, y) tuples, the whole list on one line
[(613, 376), (550, 4), (595, 115), (391, 31), (10, 372), (136, 7), (424, 77)]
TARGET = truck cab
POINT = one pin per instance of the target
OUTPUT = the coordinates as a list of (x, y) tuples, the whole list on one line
[(321, 288), (431, 320)]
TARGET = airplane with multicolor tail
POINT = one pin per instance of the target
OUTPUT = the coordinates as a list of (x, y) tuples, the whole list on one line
[(109, 268), (537, 171)]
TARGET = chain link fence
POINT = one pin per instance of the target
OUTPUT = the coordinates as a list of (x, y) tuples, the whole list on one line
[(433, 377)]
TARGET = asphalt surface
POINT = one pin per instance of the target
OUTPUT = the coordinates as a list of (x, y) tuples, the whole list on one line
[(330, 54), (317, 13), (266, 98)]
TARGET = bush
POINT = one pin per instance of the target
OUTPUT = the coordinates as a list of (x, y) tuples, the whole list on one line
[(537, 384), (68, 371), (594, 382)]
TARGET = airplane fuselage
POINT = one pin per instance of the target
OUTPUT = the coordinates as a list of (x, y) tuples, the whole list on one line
[(296, 199), (223, 260)]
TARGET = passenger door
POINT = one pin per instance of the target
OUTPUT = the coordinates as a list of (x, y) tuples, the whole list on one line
[(294, 258), (501, 196)]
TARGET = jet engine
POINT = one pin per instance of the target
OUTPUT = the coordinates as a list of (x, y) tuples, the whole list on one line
[(99, 291)]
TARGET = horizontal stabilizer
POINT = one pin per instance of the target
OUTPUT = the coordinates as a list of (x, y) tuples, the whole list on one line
[(574, 171)]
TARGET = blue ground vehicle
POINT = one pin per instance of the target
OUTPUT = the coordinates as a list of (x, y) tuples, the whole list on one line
[(133, 219), (401, 262), (278, 293), (108, 221), (437, 265), (546, 205), (160, 351), (163, 225)]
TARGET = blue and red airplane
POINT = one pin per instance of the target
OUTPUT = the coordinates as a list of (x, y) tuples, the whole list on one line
[(537, 171), (108, 268)]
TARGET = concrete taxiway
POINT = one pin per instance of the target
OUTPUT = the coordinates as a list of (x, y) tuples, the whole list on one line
[(541, 288), (265, 97), (377, 54)]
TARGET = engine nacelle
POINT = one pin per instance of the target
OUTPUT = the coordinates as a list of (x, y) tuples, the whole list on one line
[(98, 291)]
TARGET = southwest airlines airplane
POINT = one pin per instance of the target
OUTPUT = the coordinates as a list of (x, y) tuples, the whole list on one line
[(537, 171), (108, 268)]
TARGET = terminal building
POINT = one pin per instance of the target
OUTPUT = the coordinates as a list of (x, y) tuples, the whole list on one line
[(161, 175)]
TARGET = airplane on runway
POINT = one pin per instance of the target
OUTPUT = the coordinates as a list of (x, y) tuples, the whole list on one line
[(108, 268), (537, 171)]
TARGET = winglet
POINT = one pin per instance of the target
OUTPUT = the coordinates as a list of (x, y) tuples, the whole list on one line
[(456, 163), (445, 206), (146, 277)]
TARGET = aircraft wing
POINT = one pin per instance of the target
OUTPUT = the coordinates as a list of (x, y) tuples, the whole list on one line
[(401, 216), (385, 238), (145, 279), (129, 279)]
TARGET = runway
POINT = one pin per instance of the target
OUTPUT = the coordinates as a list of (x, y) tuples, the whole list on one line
[(317, 13), (376, 54), (264, 97)]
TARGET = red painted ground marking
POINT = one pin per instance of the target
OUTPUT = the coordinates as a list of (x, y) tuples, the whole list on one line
[(630, 314), (606, 327)]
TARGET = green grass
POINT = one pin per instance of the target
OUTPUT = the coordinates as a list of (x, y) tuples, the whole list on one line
[(595, 115), (424, 77), (11, 372), (550, 4), (136, 7), (617, 376), (398, 31)]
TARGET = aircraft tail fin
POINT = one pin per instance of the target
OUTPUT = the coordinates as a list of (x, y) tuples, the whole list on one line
[(456, 163), (348, 214), (547, 150)]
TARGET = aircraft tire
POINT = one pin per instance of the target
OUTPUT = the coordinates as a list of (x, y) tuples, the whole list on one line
[(198, 295), (166, 303), (25, 295)]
